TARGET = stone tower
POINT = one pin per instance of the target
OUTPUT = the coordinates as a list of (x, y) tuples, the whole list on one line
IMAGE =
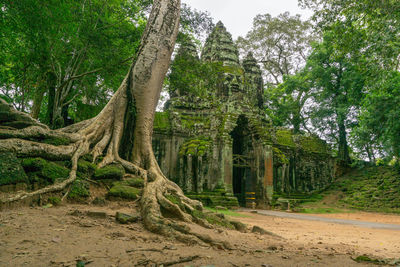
[(220, 147)]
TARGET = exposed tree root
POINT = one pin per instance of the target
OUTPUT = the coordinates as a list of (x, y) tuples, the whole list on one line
[(162, 201)]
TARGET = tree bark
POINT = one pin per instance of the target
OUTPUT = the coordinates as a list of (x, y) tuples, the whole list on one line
[(130, 110), (343, 153)]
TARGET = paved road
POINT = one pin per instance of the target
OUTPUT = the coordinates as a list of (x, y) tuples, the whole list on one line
[(328, 220)]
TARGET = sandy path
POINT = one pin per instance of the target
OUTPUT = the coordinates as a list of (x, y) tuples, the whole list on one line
[(356, 220), (55, 237), (343, 238)]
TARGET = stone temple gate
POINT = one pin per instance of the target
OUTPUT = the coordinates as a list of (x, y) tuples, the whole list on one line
[(221, 148)]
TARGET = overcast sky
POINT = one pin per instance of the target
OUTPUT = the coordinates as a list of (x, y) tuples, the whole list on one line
[(237, 15)]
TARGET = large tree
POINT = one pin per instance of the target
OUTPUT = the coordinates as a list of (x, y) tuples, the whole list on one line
[(123, 131)]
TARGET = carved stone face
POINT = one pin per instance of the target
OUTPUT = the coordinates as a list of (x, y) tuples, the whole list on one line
[(233, 82)]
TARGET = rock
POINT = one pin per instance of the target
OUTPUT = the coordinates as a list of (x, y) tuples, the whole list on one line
[(241, 227), (79, 191), (113, 171), (96, 214), (220, 215), (123, 191), (257, 229), (124, 218), (11, 171), (220, 208), (99, 201)]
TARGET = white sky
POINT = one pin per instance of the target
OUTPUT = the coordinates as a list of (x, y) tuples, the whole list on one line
[(237, 15)]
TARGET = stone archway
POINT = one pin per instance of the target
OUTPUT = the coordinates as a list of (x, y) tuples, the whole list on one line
[(243, 184)]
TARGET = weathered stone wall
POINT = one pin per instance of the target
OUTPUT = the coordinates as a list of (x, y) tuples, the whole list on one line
[(223, 145)]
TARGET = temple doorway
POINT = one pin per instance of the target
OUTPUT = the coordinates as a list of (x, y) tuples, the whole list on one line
[(241, 148)]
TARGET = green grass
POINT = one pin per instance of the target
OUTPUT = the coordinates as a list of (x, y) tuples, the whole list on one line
[(375, 189), (227, 212)]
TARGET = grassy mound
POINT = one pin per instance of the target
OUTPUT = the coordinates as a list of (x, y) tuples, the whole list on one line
[(369, 189)]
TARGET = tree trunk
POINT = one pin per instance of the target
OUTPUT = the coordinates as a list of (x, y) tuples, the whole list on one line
[(37, 102), (130, 110), (343, 153)]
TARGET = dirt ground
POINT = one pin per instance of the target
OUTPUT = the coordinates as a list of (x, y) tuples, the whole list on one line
[(64, 235)]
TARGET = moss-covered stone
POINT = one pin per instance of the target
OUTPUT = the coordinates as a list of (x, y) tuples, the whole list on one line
[(11, 171), (284, 137), (85, 168), (213, 199), (124, 191), (135, 182), (195, 147), (280, 156), (126, 218), (44, 172), (162, 122), (79, 190), (313, 144), (113, 171)]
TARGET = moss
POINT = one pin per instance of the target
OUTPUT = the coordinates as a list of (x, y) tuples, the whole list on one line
[(43, 171), (11, 171), (284, 137), (280, 156), (54, 200), (175, 200), (86, 168), (135, 182), (113, 171), (161, 121), (122, 190), (57, 141), (212, 219), (365, 258), (190, 121), (313, 144), (195, 147), (79, 190)]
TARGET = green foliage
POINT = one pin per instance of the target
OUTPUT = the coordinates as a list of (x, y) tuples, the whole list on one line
[(370, 189), (278, 154), (365, 33), (113, 171), (281, 43), (190, 76), (72, 48)]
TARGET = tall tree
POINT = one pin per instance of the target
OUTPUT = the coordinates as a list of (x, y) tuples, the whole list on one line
[(280, 43), (338, 82), (380, 23), (123, 130), (65, 51)]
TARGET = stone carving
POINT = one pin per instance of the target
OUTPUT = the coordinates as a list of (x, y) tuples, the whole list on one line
[(222, 149)]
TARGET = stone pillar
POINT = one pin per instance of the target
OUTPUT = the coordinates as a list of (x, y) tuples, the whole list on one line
[(269, 172), (227, 167)]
